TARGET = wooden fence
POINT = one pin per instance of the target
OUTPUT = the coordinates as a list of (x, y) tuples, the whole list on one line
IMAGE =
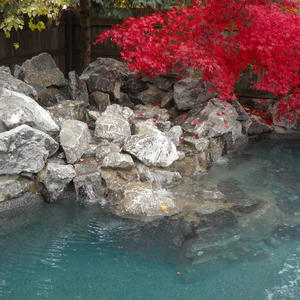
[(61, 41)]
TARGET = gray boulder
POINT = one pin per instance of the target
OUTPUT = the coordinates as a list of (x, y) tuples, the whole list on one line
[(105, 75), (13, 186), (112, 127), (74, 138), (190, 92), (153, 149), (17, 109), (5, 69), (145, 112), (105, 147), (88, 183), (51, 95), (116, 160), (25, 149), (68, 110), (200, 144), (9, 82), (55, 178), (77, 88), (42, 71)]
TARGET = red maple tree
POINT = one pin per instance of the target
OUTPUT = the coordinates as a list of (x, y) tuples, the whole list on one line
[(220, 39)]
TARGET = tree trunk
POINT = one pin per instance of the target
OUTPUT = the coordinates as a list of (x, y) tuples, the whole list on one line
[(85, 39)]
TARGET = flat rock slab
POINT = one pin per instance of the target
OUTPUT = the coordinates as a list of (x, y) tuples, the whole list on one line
[(25, 149), (17, 109)]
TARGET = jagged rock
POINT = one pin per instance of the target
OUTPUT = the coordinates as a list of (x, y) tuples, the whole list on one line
[(154, 149), (145, 112), (13, 186), (190, 92), (74, 138), (213, 119), (119, 110), (258, 126), (163, 82), (167, 100), (175, 134), (200, 144), (112, 127), (68, 110), (105, 75), (153, 95), (105, 147), (9, 82), (117, 160), (138, 200), (94, 115), (145, 128), (5, 69), (42, 71), (124, 100), (216, 149), (158, 177), (88, 183), (91, 152), (25, 149), (51, 95), (101, 100), (17, 109), (77, 88), (133, 86), (55, 178)]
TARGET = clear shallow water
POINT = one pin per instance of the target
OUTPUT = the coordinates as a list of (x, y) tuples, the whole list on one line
[(64, 251)]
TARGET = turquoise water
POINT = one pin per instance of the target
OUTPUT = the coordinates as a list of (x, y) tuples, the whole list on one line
[(64, 251)]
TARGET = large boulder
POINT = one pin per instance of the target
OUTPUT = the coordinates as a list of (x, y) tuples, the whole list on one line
[(190, 92), (151, 147), (11, 83), (215, 119), (68, 110), (13, 186), (55, 178), (113, 123), (153, 95), (100, 100), (51, 95), (74, 138), (17, 109), (25, 149), (42, 71), (105, 75)]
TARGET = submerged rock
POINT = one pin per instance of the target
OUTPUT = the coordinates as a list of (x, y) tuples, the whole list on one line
[(138, 200), (25, 149), (55, 178), (74, 138), (17, 109)]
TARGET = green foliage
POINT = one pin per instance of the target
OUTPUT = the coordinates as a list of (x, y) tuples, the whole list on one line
[(14, 14)]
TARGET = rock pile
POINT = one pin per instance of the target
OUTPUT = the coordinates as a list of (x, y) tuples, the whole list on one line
[(116, 140)]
